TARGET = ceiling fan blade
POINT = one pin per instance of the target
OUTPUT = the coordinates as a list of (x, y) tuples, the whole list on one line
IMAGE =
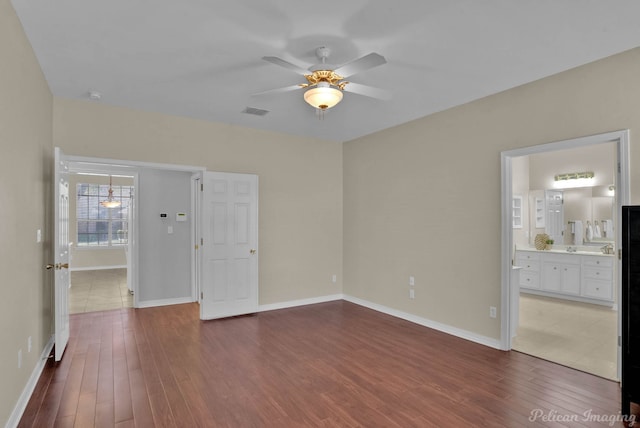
[(367, 91), (286, 64), (360, 64), (278, 90)]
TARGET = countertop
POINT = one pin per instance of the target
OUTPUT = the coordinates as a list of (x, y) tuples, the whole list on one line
[(562, 249)]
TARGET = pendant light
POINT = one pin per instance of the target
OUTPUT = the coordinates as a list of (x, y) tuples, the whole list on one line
[(110, 202)]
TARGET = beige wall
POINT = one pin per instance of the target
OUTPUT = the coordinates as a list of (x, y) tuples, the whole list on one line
[(300, 207), (25, 140), (599, 159), (423, 198)]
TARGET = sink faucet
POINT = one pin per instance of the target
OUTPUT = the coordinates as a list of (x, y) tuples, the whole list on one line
[(607, 249), (571, 250)]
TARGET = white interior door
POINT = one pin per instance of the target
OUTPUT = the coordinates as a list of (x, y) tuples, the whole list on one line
[(61, 253), (555, 215), (229, 245)]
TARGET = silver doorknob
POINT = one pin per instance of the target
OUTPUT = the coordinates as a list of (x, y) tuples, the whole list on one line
[(252, 251)]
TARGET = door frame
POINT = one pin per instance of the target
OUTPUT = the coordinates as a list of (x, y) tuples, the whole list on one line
[(129, 167), (622, 195), (196, 234)]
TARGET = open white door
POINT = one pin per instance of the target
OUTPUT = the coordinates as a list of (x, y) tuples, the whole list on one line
[(61, 253), (229, 245)]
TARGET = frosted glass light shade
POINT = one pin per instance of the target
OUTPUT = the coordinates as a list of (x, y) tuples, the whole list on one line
[(323, 96)]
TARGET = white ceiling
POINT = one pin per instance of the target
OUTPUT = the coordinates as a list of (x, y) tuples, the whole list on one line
[(202, 58)]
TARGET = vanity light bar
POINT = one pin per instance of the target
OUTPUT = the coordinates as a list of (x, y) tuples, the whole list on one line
[(574, 176)]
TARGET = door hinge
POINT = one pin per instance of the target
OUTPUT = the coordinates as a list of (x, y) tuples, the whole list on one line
[(619, 253), (202, 187), (201, 241), (619, 169), (201, 295), (619, 340)]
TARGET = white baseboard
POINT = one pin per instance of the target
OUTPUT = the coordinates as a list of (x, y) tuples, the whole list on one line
[(458, 332), (165, 302), (301, 302), (21, 405), (73, 269)]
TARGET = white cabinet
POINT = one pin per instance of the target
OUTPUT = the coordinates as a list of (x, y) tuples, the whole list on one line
[(529, 261), (597, 277), (560, 273), (567, 275)]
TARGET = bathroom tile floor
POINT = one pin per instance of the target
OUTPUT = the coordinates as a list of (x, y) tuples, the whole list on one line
[(574, 334), (99, 290)]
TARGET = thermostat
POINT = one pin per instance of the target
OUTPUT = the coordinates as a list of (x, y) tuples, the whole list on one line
[(181, 216)]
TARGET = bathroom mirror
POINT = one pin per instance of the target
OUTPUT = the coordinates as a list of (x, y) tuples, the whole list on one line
[(589, 205)]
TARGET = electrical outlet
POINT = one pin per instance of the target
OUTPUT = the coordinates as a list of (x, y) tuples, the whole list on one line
[(29, 344), (334, 278), (493, 311), (19, 358), (412, 294), (412, 281)]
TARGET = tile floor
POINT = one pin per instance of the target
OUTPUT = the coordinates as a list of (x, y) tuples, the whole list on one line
[(578, 335), (99, 290)]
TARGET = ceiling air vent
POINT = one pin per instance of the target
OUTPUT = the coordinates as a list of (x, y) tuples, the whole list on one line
[(255, 111)]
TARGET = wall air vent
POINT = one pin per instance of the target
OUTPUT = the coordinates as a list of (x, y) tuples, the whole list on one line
[(255, 111)]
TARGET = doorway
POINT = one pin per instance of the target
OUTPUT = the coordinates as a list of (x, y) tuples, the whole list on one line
[(99, 232), (542, 304)]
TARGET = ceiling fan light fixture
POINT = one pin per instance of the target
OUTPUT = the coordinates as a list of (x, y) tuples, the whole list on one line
[(323, 96)]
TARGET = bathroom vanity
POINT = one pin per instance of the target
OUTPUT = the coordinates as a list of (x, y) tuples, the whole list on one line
[(582, 275)]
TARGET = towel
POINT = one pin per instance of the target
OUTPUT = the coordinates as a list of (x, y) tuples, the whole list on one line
[(589, 233), (608, 228), (596, 231), (577, 234)]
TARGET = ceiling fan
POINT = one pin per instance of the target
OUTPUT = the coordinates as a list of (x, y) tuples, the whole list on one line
[(326, 84)]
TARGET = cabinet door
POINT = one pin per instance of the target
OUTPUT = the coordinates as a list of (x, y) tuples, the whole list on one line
[(570, 279), (551, 277)]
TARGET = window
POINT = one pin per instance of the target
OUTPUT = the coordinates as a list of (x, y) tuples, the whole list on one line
[(99, 226)]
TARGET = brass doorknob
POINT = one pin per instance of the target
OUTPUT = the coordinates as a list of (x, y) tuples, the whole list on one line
[(57, 266), (252, 251)]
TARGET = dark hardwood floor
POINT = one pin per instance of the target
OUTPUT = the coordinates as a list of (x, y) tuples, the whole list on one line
[(328, 365)]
